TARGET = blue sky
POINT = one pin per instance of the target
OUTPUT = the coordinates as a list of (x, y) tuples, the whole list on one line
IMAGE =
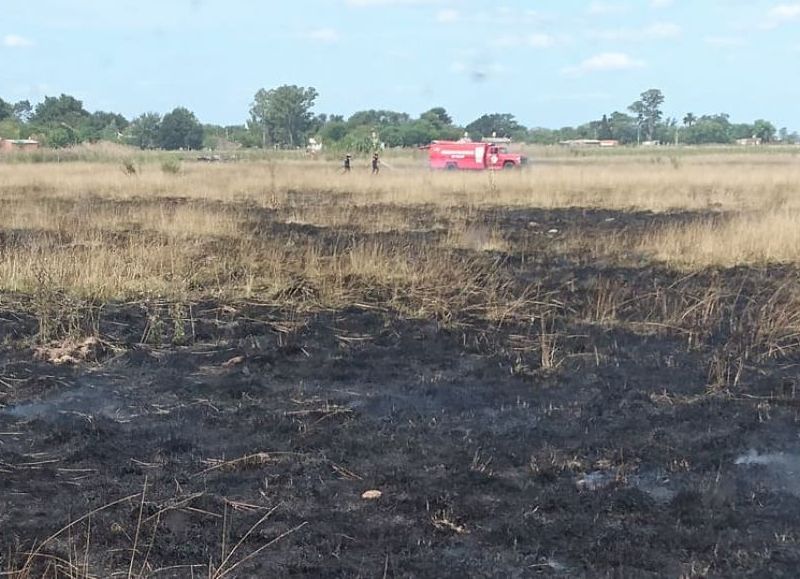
[(551, 63)]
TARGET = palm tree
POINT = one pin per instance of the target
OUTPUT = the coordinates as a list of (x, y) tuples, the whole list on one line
[(689, 120)]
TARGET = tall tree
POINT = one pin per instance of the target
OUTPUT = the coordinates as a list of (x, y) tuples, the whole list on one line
[(604, 131), (180, 129), (284, 114), (503, 125), (689, 120), (709, 129), (648, 111), (333, 132), (6, 110), (23, 111), (623, 127), (104, 126), (144, 130), (438, 117), (376, 119), (57, 110), (764, 130)]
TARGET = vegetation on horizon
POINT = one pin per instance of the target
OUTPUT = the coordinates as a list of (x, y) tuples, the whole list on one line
[(283, 117)]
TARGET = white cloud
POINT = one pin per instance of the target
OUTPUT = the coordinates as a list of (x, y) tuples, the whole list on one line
[(782, 14), (657, 31), (15, 41), (325, 35), (448, 16), (605, 62), (661, 3)]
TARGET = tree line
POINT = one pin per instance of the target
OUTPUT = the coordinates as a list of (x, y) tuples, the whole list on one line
[(284, 117)]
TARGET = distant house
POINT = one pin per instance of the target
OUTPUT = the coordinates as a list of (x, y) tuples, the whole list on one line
[(580, 143), (314, 146), (751, 142), (590, 143), (18, 145)]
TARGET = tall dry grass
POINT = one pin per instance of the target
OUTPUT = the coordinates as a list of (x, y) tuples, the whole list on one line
[(752, 238), (698, 183)]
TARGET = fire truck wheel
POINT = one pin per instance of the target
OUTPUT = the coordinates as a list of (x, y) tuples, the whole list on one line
[(451, 167), (508, 165)]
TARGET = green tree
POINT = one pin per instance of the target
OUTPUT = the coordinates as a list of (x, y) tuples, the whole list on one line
[(60, 137), (689, 120), (6, 110), (542, 136), (566, 134), (180, 129), (143, 132), (9, 128), (419, 132), (604, 131), (648, 111), (316, 124), (764, 130), (503, 125), (23, 111), (376, 119), (283, 114), (63, 109), (740, 131), (709, 129), (333, 132), (623, 127), (358, 140), (104, 126), (438, 117), (242, 135), (393, 136)]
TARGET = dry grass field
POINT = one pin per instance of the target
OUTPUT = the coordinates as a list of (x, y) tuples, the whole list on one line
[(587, 368), (96, 231)]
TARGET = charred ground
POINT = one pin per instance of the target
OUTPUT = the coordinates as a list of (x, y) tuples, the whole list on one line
[(608, 416)]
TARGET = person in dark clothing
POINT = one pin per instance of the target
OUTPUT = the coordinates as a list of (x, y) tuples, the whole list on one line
[(347, 164), (376, 164)]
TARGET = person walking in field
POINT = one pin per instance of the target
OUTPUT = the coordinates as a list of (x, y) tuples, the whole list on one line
[(346, 168), (376, 164)]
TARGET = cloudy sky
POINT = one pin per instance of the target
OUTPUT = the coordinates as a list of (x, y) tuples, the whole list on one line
[(549, 63)]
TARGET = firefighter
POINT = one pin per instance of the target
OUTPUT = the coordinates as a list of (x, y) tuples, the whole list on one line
[(346, 167), (376, 164)]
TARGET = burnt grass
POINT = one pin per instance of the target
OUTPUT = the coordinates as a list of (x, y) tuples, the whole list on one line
[(603, 438)]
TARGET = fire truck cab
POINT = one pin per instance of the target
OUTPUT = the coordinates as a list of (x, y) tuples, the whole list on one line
[(470, 156)]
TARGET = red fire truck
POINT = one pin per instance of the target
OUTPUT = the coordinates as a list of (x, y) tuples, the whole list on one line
[(472, 156)]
